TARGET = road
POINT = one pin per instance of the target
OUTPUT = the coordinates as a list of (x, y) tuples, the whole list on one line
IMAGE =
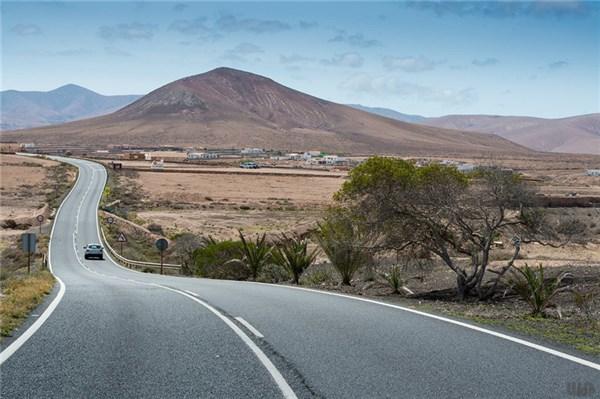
[(116, 333)]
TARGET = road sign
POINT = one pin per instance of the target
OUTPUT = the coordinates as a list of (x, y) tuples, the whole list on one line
[(40, 219), (28, 241), (110, 220), (121, 237), (162, 244)]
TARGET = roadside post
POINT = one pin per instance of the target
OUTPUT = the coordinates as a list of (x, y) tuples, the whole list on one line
[(28, 241), (121, 239), (162, 245), (40, 219)]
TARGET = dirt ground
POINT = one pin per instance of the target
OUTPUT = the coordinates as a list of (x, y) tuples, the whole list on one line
[(23, 189), (219, 205)]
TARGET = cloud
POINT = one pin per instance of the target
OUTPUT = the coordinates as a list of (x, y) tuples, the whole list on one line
[(351, 60), (110, 50), (390, 85), (190, 26), (410, 64), (231, 23), (490, 61), (180, 7), (132, 31), (507, 9), (307, 24), (558, 64), (243, 52), (26, 30), (356, 40), (294, 59)]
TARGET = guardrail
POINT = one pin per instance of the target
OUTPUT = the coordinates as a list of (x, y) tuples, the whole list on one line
[(135, 264)]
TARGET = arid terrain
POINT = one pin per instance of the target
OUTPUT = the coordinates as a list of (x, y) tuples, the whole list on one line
[(228, 108)]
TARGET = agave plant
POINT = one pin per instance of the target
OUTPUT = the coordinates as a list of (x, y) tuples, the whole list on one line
[(394, 279), (255, 255), (292, 253), (531, 285)]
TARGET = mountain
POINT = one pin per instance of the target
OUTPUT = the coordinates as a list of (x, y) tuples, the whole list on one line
[(390, 113), (576, 134), (25, 109), (231, 108)]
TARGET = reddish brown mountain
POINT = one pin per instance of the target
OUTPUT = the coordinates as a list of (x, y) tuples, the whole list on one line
[(231, 108)]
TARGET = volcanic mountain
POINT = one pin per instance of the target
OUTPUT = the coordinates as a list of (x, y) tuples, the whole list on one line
[(231, 108)]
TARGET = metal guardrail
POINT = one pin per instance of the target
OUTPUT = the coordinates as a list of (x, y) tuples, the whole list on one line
[(135, 264)]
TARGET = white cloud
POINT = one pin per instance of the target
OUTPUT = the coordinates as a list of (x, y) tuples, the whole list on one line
[(410, 64), (351, 60)]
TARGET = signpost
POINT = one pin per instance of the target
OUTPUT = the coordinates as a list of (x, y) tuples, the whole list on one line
[(40, 219), (110, 220), (121, 239), (28, 241), (162, 245)]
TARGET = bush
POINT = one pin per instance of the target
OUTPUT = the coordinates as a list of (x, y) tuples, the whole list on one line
[(273, 273), (214, 261), (156, 229), (317, 277), (394, 279), (292, 254), (531, 285), (9, 224), (255, 255)]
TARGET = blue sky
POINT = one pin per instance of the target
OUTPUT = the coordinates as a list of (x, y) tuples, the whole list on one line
[(428, 58)]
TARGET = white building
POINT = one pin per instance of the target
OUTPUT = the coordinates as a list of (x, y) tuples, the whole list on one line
[(592, 172), (294, 156), (465, 167), (202, 155), (252, 151), (311, 154)]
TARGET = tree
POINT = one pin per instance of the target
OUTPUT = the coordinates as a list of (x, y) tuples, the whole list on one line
[(185, 245), (292, 253), (451, 215), (255, 255), (345, 241)]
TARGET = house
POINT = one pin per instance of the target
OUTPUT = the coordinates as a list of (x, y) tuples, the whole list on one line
[(191, 156), (311, 154), (592, 172), (252, 151), (294, 156)]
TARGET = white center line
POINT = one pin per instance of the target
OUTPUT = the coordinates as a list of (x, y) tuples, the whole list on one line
[(250, 327)]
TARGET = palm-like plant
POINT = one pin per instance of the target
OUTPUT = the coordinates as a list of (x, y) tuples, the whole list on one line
[(292, 253), (255, 255), (345, 244), (394, 279), (531, 285)]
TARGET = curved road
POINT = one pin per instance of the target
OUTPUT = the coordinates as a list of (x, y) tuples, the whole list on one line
[(117, 333)]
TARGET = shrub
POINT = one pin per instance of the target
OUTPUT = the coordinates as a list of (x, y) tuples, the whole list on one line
[(394, 279), (255, 255), (273, 273), (317, 277), (9, 224), (344, 243), (292, 253), (156, 229), (214, 261), (585, 303), (531, 285)]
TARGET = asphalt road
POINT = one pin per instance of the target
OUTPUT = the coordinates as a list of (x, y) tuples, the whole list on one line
[(117, 333)]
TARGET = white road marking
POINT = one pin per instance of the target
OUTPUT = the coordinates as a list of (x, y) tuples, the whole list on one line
[(12, 348), (286, 390), (575, 359), (250, 327)]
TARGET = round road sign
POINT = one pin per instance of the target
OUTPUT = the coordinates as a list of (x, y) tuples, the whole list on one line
[(162, 244), (110, 220), (40, 218)]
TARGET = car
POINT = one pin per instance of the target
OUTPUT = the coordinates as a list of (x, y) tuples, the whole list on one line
[(93, 251), (249, 165)]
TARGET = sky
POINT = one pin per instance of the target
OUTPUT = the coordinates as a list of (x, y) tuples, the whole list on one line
[(427, 58)]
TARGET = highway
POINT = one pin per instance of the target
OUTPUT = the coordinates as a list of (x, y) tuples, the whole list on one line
[(117, 333)]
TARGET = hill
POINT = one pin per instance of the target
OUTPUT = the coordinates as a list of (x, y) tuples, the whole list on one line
[(231, 108), (26, 109), (576, 134)]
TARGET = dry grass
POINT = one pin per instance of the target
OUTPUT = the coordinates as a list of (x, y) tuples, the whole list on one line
[(20, 295)]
